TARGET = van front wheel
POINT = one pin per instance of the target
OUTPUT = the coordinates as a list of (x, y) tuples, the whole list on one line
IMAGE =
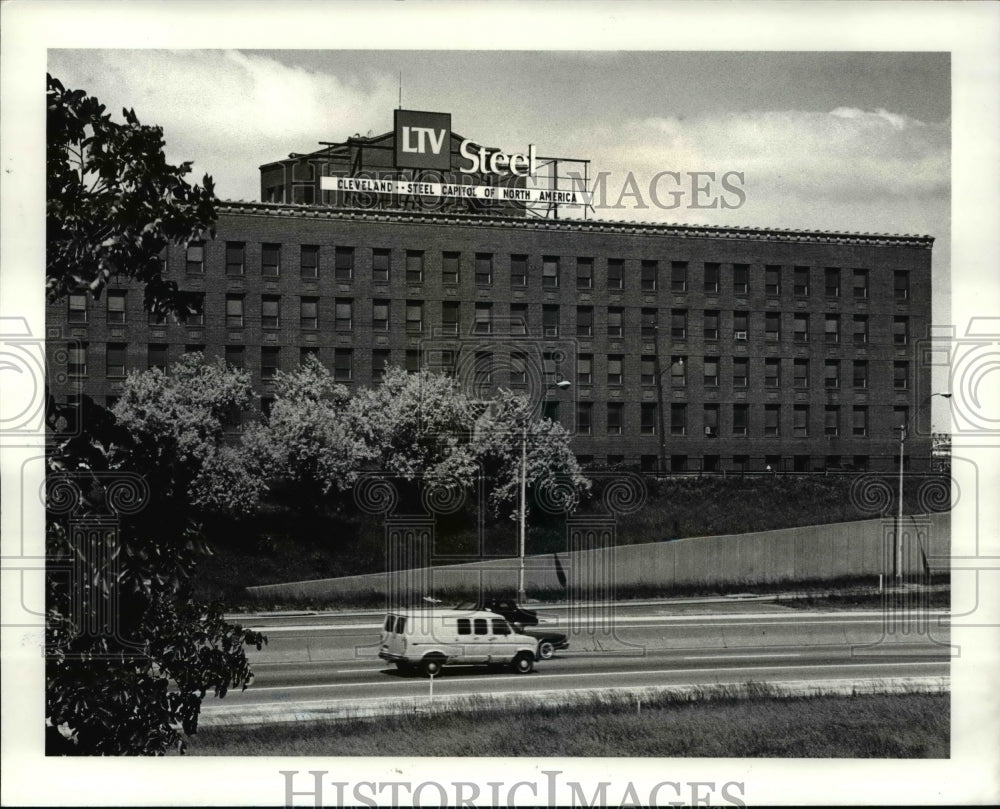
[(431, 666), (524, 663)]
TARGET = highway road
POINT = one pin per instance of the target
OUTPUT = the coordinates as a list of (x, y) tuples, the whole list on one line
[(331, 658)]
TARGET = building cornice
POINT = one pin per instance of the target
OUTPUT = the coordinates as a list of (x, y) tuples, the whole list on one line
[(271, 209)]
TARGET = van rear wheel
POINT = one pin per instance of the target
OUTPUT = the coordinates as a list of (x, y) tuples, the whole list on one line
[(431, 665), (524, 663)]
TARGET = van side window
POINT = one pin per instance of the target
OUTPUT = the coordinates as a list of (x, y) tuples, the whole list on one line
[(464, 627), (389, 621), (500, 627), (400, 624), (480, 625)]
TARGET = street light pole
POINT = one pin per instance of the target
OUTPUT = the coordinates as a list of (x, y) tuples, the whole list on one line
[(903, 429), (522, 517)]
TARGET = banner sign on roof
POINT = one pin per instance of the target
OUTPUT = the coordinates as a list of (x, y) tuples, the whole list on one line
[(454, 190)]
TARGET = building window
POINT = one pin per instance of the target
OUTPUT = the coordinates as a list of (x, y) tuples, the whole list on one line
[(678, 371), (154, 318), (484, 269), (648, 326), (194, 349), (772, 326), (648, 463), (800, 463), (380, 360), (450, 317), (800, 369), (116, 308), (616, 460), (550, 411), (900, 417), (236, 356), (741, 278), (584, 369), (518, 368), (381, 265), (235, 258), (710, 417), (194, 258), (343, 267), (740, 463), (343, 314), (900, 375), (519, 318), (309, 313), (234, 311), (901, 285), (309, 261), (77, 308), (678, 324), (270, 359), (647, 418), (678, 419), (800, 327), (616, 318), (414, 267), (343, 364), (900, 331), (800, 420), (772, 280), (860, 374), (585, 273), (616, 411), (741, 414), (76, 364), (800, 281), (414, 317), (831, 420), (584, 321), (550, 272), (711, 372), (772, 419), (380, 315), (266, 406), (648, 272), (484, 318), (678, 276), (860, 421), (678, 463), (832, 282), (115, 360), (711, 325), (449, 267), (306, 352), (270, 260), (616, 274), (615, 364), (550, 321), (740, 328), (741, 372), (710, 463), (711, 277), (860, 330), (412, 360), (831, 373), (270, 311), (584, 417), (772, 372), (518, 271), (647, 370), (860, 283), (831, 329)]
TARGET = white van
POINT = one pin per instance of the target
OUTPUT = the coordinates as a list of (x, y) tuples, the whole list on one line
[(433, 638)]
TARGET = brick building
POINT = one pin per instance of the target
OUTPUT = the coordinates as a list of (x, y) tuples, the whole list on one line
[(690, 349)]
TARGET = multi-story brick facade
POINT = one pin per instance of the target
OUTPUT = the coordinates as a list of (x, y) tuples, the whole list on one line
[(690, 349)]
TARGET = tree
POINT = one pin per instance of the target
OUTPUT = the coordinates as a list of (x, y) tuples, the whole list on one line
[(176, 420), (114, 203), (306, 442)]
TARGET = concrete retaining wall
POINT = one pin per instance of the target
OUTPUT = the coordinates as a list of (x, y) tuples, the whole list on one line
[(810, 553)]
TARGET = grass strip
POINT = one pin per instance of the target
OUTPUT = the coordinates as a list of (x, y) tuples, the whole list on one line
[(909, 725)]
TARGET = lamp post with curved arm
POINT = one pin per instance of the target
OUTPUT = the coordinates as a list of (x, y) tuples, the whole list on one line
[(562, 384), (903, 429)]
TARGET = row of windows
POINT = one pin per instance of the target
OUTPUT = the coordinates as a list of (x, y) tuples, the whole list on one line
[(713, 277), (735, 463), (519, 365), (485, 322)]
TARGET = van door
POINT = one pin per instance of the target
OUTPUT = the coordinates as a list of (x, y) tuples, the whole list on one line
[(393, 640), (503, 642)]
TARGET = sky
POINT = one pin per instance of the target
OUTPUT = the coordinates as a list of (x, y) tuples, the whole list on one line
[(848, 141)]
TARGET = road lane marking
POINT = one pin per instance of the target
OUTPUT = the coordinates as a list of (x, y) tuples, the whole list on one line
[(738, 657)]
